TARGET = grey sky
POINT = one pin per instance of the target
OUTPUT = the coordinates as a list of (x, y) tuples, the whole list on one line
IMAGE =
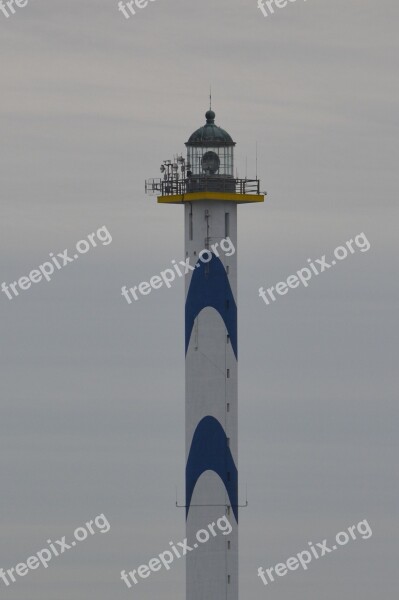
[(93, 389)]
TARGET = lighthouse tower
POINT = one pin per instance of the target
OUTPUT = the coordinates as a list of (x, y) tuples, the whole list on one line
[(210, 193)]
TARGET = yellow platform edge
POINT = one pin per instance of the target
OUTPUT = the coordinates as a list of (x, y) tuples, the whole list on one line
[(195, 196)]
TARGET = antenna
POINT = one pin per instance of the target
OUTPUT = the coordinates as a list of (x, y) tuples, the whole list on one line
[(256, 160), (210, 97), (246, 167)]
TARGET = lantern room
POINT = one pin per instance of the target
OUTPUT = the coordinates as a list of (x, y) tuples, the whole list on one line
[(210, 151)]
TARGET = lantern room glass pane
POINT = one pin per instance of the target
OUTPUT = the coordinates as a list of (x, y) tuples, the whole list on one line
[(211, 160)]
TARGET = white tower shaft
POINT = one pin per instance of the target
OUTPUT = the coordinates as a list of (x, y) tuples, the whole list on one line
[(211, 399)]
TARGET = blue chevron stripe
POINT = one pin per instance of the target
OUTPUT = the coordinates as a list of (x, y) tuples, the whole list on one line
[(210, 452), (210, 287)]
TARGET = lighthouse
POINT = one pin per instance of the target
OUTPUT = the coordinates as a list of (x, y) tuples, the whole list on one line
[(203, 183)]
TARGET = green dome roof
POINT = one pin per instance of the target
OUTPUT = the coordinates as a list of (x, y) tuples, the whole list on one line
[(210, 134)]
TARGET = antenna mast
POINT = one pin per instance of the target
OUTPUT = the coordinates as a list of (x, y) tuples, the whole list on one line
[(256, 161)]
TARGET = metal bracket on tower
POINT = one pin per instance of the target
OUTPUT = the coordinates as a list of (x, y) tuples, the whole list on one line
[(225, 505)]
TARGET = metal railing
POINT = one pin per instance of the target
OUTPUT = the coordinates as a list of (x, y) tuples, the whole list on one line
[(172, 187)]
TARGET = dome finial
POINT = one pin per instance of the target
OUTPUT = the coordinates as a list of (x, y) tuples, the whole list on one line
[(210, 117)]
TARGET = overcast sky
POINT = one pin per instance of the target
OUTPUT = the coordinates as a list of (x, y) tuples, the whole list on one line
[(92, 389)]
